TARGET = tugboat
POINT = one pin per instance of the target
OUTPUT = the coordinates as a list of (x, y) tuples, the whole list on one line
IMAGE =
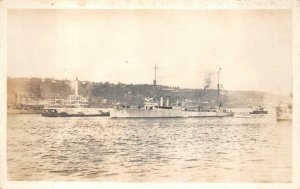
[(152, 109), (259, 110)]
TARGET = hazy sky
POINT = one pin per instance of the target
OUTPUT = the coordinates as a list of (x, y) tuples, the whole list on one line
[(253, 48)]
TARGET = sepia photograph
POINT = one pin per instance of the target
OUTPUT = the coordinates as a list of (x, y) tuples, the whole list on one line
[(149, 95)]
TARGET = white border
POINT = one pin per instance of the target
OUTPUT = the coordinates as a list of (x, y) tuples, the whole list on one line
[(293, 5)]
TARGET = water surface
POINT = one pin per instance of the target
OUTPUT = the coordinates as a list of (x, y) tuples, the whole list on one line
[(243, 148)]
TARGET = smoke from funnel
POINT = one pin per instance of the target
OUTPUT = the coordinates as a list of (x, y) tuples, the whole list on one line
[(207, 81)]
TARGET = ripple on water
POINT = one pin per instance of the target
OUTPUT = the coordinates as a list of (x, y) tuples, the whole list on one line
[(149, 150)]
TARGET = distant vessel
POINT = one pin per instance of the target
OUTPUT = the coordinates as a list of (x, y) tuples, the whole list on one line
[(153, 109), (284, 112), (259, 110), (75, 106)]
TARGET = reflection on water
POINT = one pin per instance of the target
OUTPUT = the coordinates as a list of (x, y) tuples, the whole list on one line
[(245, 148)]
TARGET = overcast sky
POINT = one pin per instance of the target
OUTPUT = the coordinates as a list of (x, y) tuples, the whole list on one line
[(253, 48)]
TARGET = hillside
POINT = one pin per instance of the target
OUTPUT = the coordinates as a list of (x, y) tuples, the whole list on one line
[(107, 93)]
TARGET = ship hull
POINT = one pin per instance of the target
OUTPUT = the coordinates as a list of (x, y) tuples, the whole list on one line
[(163, 113)]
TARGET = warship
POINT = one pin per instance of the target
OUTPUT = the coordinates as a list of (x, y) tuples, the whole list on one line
[(163, 108)]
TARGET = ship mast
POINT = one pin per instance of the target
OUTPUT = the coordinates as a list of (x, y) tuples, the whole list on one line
[(154, 82)]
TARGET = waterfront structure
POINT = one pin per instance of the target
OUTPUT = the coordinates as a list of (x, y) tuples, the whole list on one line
[(74, 106)]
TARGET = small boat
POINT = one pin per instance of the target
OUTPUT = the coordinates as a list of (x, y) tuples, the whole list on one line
[(74, 112), (259, 110), (284, 112)]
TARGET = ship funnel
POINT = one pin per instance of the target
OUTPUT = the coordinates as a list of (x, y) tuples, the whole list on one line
[(183, 102), (168, 101), (161, 101), (177, 101)]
